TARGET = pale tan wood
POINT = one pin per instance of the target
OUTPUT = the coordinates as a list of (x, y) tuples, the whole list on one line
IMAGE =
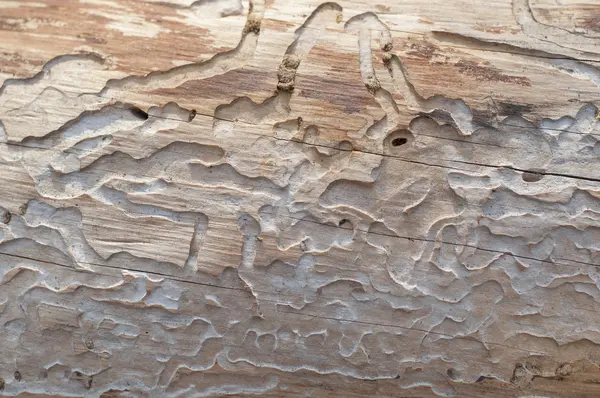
[(225, 198)]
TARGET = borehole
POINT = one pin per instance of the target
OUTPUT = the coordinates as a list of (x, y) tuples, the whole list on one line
[(139, 113), (399, 141)]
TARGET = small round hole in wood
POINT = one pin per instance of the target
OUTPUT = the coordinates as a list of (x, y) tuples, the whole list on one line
[(345, 223), (399, 141), (139, 113)]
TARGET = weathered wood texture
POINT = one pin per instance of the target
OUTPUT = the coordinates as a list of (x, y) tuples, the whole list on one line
[(288, 198)]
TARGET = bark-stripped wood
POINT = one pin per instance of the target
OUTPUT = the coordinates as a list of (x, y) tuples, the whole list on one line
[(294, 198)]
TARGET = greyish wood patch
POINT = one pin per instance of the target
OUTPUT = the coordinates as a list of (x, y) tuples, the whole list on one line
[(283, 198)]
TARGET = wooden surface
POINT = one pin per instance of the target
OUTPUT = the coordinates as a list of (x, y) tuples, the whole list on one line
[(288, 198)]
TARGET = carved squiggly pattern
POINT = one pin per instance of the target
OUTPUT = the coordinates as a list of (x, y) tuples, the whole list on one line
[(370, 259)]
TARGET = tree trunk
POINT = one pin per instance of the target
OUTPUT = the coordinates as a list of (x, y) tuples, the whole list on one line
[(285, 198)]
